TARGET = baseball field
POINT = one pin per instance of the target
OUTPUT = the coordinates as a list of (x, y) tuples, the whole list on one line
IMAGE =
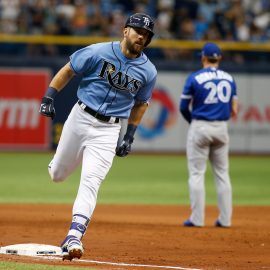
[(138, 220)]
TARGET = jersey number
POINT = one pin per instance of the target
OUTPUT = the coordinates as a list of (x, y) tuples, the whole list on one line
[(218, 92)]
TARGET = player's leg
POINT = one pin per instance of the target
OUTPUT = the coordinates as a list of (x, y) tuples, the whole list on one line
[(69, 151), (197, 154), (97, 160), (220, 165)]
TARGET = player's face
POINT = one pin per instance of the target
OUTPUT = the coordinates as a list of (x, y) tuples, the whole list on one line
[(135, 39)]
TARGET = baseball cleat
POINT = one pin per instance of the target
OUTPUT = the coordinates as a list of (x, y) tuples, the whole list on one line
[(189, 223), (218, 224), (72, 248)]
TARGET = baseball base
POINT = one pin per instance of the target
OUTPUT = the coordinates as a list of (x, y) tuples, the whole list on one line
[(31, 250)]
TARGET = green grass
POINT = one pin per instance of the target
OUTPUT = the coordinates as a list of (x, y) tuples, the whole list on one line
[(251, 180), (136, 179), (25, 266), (133, 180)]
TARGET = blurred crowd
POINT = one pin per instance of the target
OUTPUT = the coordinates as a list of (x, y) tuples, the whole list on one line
[(234, 20)]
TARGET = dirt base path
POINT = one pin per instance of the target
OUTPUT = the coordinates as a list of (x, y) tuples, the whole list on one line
[(144, 235)]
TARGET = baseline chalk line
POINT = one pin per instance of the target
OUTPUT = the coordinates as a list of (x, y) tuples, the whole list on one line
[(121, 264), (49, 252)]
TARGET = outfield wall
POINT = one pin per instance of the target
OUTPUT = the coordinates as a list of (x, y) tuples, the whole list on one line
[(165, 130), (162, 129)]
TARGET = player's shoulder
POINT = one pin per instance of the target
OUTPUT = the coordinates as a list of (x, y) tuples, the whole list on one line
[(100, 46), (152, 67), (194, 74), (224, 75), (147, 64), (92, 49)]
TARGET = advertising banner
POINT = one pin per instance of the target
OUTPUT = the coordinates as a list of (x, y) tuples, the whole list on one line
[(21, 125), (163, 129)]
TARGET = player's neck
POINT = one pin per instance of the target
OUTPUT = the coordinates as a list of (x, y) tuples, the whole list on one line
[(126, 52), (210, 65)]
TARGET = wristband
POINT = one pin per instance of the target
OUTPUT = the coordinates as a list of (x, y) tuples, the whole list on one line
[(51, 92), (131, 130)]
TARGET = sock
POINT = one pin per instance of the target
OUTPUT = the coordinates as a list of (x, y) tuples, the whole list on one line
[(78, 226)]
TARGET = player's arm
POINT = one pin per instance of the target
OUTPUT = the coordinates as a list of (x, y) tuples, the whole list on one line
[(62, 77), (137, 113), (59, 81), (184, 109), (234, 111), (134, 120), (186, 97)]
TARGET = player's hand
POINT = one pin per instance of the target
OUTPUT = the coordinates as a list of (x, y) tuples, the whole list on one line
[(125, 147), (47, 108)]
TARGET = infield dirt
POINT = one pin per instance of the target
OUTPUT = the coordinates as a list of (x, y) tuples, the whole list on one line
[(145, 235)]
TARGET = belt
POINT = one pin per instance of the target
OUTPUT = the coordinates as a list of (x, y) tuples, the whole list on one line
[(101, 117)]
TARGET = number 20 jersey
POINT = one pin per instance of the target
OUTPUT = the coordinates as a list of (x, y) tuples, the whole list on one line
[(211, 91)]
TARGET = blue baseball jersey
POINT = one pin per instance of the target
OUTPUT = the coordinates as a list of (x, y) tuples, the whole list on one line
[(210, 91), (111, 82)]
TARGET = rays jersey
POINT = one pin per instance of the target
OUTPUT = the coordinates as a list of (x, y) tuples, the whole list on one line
[(111, 82), (211, 91)]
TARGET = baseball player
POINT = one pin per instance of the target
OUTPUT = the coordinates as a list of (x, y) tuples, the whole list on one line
[(117, 83), (208, 100)]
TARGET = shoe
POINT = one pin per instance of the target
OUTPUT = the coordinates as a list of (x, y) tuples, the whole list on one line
[(72, 248), (188, 223), (218, 224)]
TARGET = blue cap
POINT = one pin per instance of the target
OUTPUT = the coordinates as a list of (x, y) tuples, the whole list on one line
[(211, 50)]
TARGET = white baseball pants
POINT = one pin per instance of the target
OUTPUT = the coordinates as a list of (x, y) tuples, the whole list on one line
[(88, 140), (209, 140)]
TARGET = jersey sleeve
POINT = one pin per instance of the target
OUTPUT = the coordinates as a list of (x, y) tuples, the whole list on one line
[(188, 88), (145, 93), (234, 89), (81, 60)]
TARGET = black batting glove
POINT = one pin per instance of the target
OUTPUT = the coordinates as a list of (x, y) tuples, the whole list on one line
[(125, 147), (47, 108)]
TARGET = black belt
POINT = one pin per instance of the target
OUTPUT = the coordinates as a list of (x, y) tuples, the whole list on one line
[(101, 117)]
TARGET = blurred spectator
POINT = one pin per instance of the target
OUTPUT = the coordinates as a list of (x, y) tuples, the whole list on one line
[(212, 33), (207, 10), (79, 21), (116, 22), (51, 17), (9, 12), (37, 14), (66, 9), (185, 19), (242, 29), (165, 11), (98, 13), (232, 20), (200, 27)]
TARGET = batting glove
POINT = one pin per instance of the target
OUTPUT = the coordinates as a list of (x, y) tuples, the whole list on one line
[(47, 108), (125, 147)]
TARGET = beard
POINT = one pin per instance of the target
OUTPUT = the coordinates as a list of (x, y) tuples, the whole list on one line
[(134, 48)]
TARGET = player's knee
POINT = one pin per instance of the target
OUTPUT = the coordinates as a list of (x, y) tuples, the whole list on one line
[(57, 178), (57, 174)]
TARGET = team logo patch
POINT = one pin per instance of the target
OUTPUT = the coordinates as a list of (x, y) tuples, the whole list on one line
[(118, 79), (146, 21)]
